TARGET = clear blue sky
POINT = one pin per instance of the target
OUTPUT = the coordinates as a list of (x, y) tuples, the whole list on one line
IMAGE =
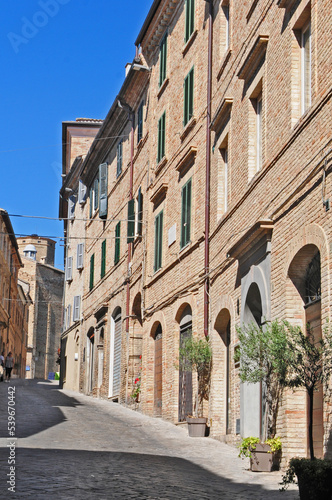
[(60, 60)]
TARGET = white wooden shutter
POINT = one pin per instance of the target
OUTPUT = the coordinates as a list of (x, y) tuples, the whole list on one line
[(69, 268), (76, 308), (68, 315), (103, 191), (80, 250), (71, 207), (81, 192)]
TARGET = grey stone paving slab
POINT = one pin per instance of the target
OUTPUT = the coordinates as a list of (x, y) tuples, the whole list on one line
[(71, 446)]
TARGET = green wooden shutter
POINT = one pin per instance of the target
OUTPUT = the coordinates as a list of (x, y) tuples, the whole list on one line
[(163, 60), (117, 243), (190, 19), (139, 211), (158, 243), (131, 221), (185, 214), (92, 270), (161, 137), (96, 193), (103, 259), (91, 201), (188, 97)]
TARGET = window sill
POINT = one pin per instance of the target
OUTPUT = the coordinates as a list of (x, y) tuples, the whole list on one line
[(189, 42), (160, 165), (188, 127), (186, 247), (162, 87)]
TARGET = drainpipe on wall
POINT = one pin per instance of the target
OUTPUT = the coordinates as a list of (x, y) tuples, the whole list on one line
[(207, 176)]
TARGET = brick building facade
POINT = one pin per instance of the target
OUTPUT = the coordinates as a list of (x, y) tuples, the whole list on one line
[(45, 284), (208, 207), (14, 299)]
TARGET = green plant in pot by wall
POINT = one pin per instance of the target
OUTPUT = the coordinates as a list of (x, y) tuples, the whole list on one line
[(262, 354), (196, 355)]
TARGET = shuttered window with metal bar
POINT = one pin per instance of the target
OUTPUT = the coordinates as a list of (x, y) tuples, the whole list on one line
[(188, 97), (185, 214)]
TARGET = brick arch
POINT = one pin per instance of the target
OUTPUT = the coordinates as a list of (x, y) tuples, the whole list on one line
[(182, 307), (224, 302), (301, 248), (157, 318)]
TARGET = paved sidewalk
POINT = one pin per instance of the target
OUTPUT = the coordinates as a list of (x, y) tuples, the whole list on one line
[(72, 446)]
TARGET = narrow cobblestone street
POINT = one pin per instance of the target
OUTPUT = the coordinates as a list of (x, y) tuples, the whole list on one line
[(73, 446)]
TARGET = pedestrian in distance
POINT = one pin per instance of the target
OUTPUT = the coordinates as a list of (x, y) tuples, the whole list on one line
[(9, 363)]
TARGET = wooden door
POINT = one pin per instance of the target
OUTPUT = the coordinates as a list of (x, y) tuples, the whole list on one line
[(117, 355), (185, 379), (313, 317)]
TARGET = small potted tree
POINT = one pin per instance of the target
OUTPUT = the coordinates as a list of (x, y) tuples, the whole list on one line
[(263, 358), (309, 365), (196, 355)]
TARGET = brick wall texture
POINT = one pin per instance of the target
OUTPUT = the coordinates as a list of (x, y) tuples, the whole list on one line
[(270, 159)]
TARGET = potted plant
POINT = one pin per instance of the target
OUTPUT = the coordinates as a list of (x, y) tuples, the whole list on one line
[(195, 355), (264, 457), (309, 365), (314, 478)]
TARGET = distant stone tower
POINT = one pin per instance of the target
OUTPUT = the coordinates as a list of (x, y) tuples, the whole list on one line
[(45, 314)]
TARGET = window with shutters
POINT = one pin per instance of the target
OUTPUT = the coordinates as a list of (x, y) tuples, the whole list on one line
[(140, 122), (71, 207), (224, 27), (92, 271), (223, 180), (117, 243), (163, 60), (306, 67), (158, 241), (103, 191), (161, 137), (256, 131), (69, 268), (188, 99), (68, 321), (96, 193), (77, 308), (103, 259), (94, 196), (119, 158), (190, 19), (131, 221), (81, 192), (80, 253), (185, 214)]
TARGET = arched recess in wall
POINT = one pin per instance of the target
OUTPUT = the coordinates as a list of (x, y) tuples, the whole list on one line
[(253, 398), (90, 358), (224, 367), (115, 354), (185, 375), (157, 335), (304, 308), (100, 348)]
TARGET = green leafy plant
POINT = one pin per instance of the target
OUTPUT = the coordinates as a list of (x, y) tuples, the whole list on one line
[(248, 445), (309, 364), (262, 354), (196, 355), (314, 478)]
